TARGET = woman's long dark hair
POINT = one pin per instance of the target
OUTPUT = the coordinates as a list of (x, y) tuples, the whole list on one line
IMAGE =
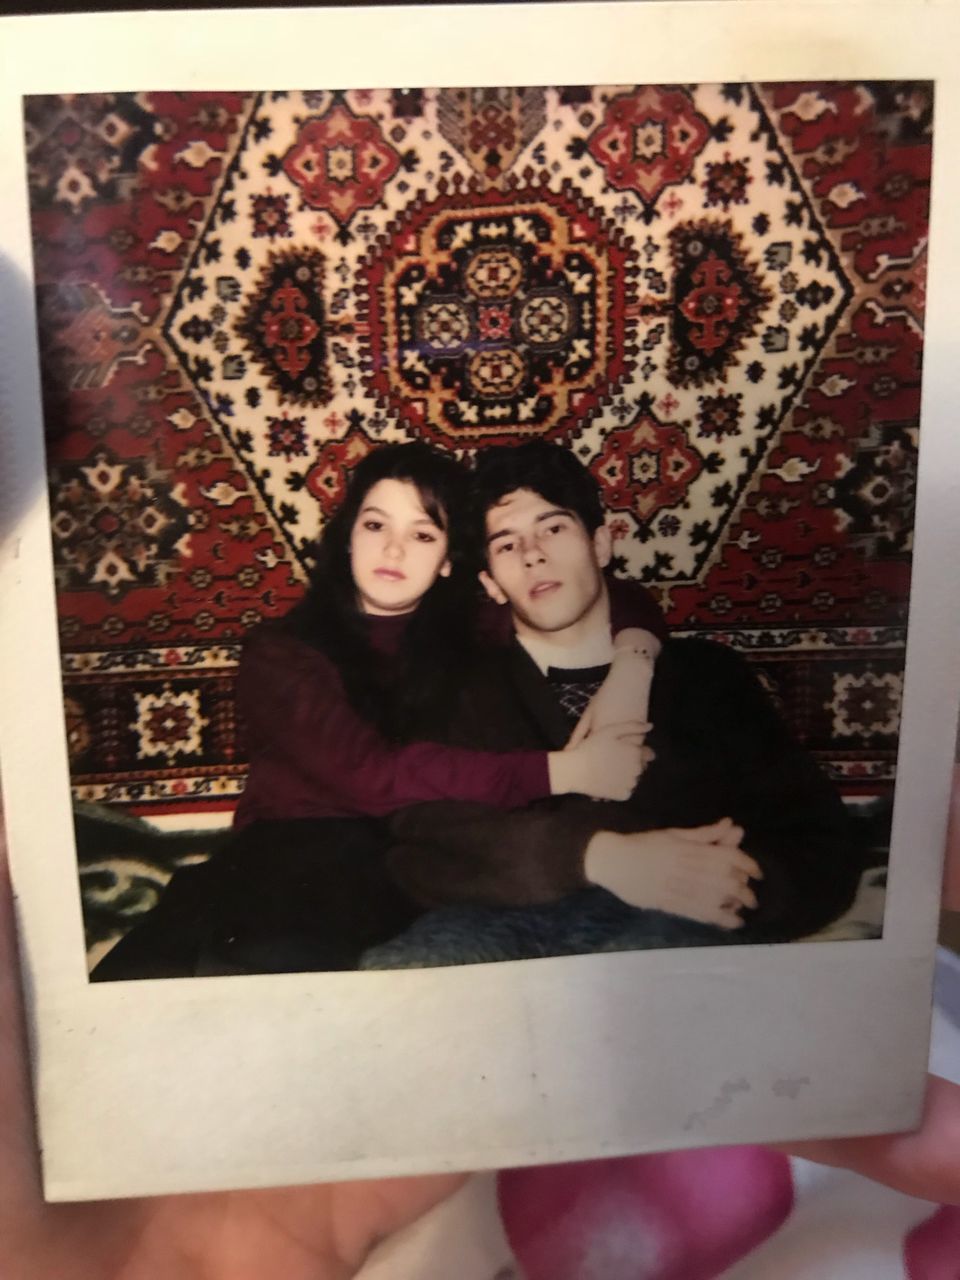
[(402, 699)]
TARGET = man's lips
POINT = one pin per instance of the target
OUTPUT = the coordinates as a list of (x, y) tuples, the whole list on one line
[(391, 575), (543, 588)]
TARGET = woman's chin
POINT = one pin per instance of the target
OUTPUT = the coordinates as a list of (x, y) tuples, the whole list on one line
[(384, 608)]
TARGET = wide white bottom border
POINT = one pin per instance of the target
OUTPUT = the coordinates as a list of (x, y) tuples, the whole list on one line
[(202, 1084)]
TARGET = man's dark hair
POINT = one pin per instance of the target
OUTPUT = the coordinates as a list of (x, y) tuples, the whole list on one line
[(547, 469)]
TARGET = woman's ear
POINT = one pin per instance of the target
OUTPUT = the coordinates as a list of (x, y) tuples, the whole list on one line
[(603, 546), (445, 569), (491, 588)]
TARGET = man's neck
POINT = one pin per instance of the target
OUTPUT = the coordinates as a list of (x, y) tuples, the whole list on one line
[(587, 643)]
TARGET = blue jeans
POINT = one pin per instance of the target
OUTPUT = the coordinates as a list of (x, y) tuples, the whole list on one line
[(588, 921)]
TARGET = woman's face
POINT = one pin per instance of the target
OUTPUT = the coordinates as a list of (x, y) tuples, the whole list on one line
[(396, 550)]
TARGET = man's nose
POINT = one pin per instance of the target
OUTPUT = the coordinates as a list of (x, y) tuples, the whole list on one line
[(532, 551)]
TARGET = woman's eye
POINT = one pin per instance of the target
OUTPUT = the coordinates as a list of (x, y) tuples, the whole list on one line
[(423, 536), (374, 526)]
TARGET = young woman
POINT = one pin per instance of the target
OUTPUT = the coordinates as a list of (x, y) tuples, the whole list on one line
[(340, 701)]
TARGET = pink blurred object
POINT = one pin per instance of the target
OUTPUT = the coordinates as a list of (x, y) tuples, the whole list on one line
[(932, 1249), (682, 1215)]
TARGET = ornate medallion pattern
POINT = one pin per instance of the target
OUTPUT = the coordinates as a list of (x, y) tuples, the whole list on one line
[(499, 316)]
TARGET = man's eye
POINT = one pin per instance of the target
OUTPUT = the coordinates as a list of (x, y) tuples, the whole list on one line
[(555, 528), (504, 546)]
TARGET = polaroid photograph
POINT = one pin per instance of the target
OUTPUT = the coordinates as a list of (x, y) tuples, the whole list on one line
[(475, 625)]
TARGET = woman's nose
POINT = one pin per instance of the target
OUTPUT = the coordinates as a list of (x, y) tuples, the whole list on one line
[(393, 549)]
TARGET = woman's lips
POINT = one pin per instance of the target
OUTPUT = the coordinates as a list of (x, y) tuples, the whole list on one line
[(391, 575)]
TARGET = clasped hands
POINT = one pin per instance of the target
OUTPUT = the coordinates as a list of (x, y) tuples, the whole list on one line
[(700, 873)]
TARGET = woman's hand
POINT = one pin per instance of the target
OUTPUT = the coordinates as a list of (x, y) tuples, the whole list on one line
[(625, 693), (605, 765), (700, 873)]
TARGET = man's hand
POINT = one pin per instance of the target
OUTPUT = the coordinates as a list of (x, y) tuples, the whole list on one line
[(697, 872), (606, 765)]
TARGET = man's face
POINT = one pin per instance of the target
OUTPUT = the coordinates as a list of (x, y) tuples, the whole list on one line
[(543, 562)]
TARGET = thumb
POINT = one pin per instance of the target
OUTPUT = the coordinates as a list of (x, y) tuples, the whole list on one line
[(628, 728), (581, 731)]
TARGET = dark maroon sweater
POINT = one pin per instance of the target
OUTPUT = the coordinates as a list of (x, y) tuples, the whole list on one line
[(312, 756)]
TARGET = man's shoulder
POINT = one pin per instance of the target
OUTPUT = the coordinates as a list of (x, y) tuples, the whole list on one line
[(633, 605), (711, 692), (702, 671), (699, 653)]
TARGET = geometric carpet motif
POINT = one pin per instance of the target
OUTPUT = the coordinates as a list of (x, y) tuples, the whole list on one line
[(714, 294)]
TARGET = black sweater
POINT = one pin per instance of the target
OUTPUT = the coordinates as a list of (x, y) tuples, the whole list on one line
[(721, 751)]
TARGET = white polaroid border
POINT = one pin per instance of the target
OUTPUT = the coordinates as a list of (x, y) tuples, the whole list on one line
[(149, 1087)]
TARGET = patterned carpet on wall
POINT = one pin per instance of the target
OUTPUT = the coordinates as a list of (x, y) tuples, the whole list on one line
[(713, 294)]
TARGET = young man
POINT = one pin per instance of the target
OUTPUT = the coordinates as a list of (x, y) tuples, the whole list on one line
[(732, 833)]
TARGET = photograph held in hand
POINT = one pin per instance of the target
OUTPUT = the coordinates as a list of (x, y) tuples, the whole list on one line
[(480, 522)]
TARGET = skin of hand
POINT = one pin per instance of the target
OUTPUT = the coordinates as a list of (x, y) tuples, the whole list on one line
[(324, 1233), (300, 1233), (925, 1163), (697, 872), (606, 765), (625, 693), (638, 641)]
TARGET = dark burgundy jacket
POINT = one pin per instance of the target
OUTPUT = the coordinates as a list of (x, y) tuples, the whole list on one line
[(313, 756)]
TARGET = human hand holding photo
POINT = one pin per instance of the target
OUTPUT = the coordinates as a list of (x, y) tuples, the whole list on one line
[(926, 1162), (322, 1232)]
